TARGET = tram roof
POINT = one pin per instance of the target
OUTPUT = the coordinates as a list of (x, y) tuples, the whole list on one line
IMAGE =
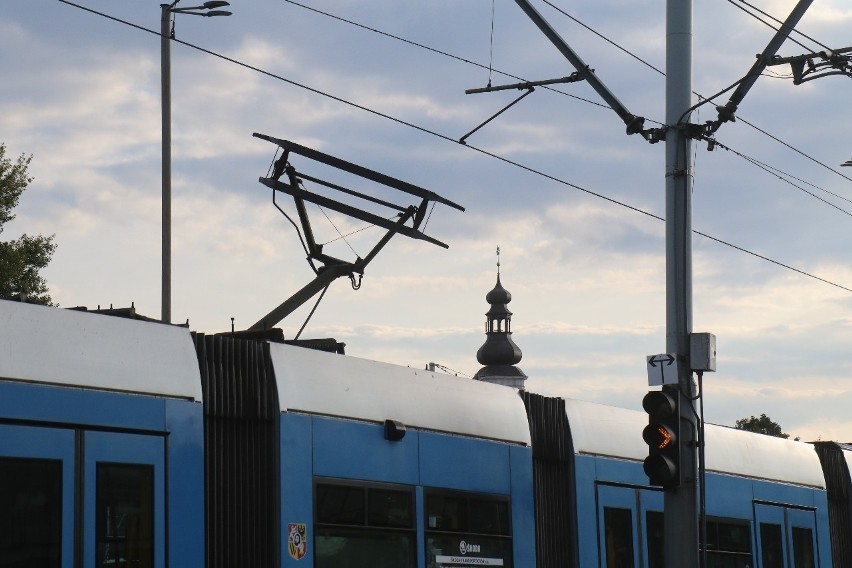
[(602, 430), (338, 385), (49, 345)]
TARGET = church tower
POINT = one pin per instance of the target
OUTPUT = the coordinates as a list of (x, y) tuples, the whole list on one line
[(499, 354)]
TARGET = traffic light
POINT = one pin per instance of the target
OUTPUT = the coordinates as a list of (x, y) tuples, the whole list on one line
[(662, 434)]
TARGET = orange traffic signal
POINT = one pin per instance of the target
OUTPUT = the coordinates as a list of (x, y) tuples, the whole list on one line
[(662, 436)]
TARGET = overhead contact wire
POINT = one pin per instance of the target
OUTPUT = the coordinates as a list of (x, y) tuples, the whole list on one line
[(740, 118), (764, 22), (770, 16), (454, 141)]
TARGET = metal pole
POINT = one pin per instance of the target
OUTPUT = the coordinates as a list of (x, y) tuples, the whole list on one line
[(681, 507), (165, 81)]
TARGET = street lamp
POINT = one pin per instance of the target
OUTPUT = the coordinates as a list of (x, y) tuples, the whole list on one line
[(166, 34)]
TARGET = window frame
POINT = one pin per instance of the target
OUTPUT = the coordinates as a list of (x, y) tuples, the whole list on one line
[(712, 553), (503, 539), (365, 530), (114, 539), (720, 553)]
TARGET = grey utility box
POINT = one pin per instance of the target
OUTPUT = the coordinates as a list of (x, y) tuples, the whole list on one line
[(702, 351)]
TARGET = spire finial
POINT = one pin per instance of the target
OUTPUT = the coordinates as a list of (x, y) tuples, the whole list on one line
[(498, 260)]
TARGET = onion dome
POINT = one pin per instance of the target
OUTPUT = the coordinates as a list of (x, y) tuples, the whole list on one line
[(499, 354), (498, 295)]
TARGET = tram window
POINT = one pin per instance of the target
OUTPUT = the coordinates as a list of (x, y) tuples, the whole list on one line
[(618, 530), (467, 528), (803, 548), (728, 544), (656, 539), (340, 505), (446, 513), (364, 525), (124, 512), (771, 545), (489, 516), (729, 536), (31, 523), (390, 508), (339, 548)]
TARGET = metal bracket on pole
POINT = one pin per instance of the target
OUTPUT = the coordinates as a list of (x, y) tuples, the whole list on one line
[(529, 86), (727, 111), (812, 66), (635, 124), (333, 268)]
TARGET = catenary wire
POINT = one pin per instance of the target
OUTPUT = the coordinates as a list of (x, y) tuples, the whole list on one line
[(769, 169), (454, 141), (370, 111), (793, 148), (603, 37), (740, 118), (757, 162), (749, 159), (631, 54), (776, 75), (764, 22), (435, 50), (804, 35)]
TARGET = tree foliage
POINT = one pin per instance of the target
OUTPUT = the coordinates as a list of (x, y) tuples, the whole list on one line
[(761, 425), (21, 259)]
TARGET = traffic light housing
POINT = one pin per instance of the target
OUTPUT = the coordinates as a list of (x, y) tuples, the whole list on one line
[(662, 434)]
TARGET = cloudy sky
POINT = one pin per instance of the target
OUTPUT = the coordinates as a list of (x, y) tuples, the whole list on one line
[(382, 83)]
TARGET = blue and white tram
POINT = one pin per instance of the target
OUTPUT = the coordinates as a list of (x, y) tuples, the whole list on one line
[(101, 441), (379, 465), (766, 497), (131, 443), (388, 466)]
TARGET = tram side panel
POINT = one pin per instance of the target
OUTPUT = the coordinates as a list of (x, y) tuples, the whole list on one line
[(93, 411), (782, 483), (764, 495), (355, 491)]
